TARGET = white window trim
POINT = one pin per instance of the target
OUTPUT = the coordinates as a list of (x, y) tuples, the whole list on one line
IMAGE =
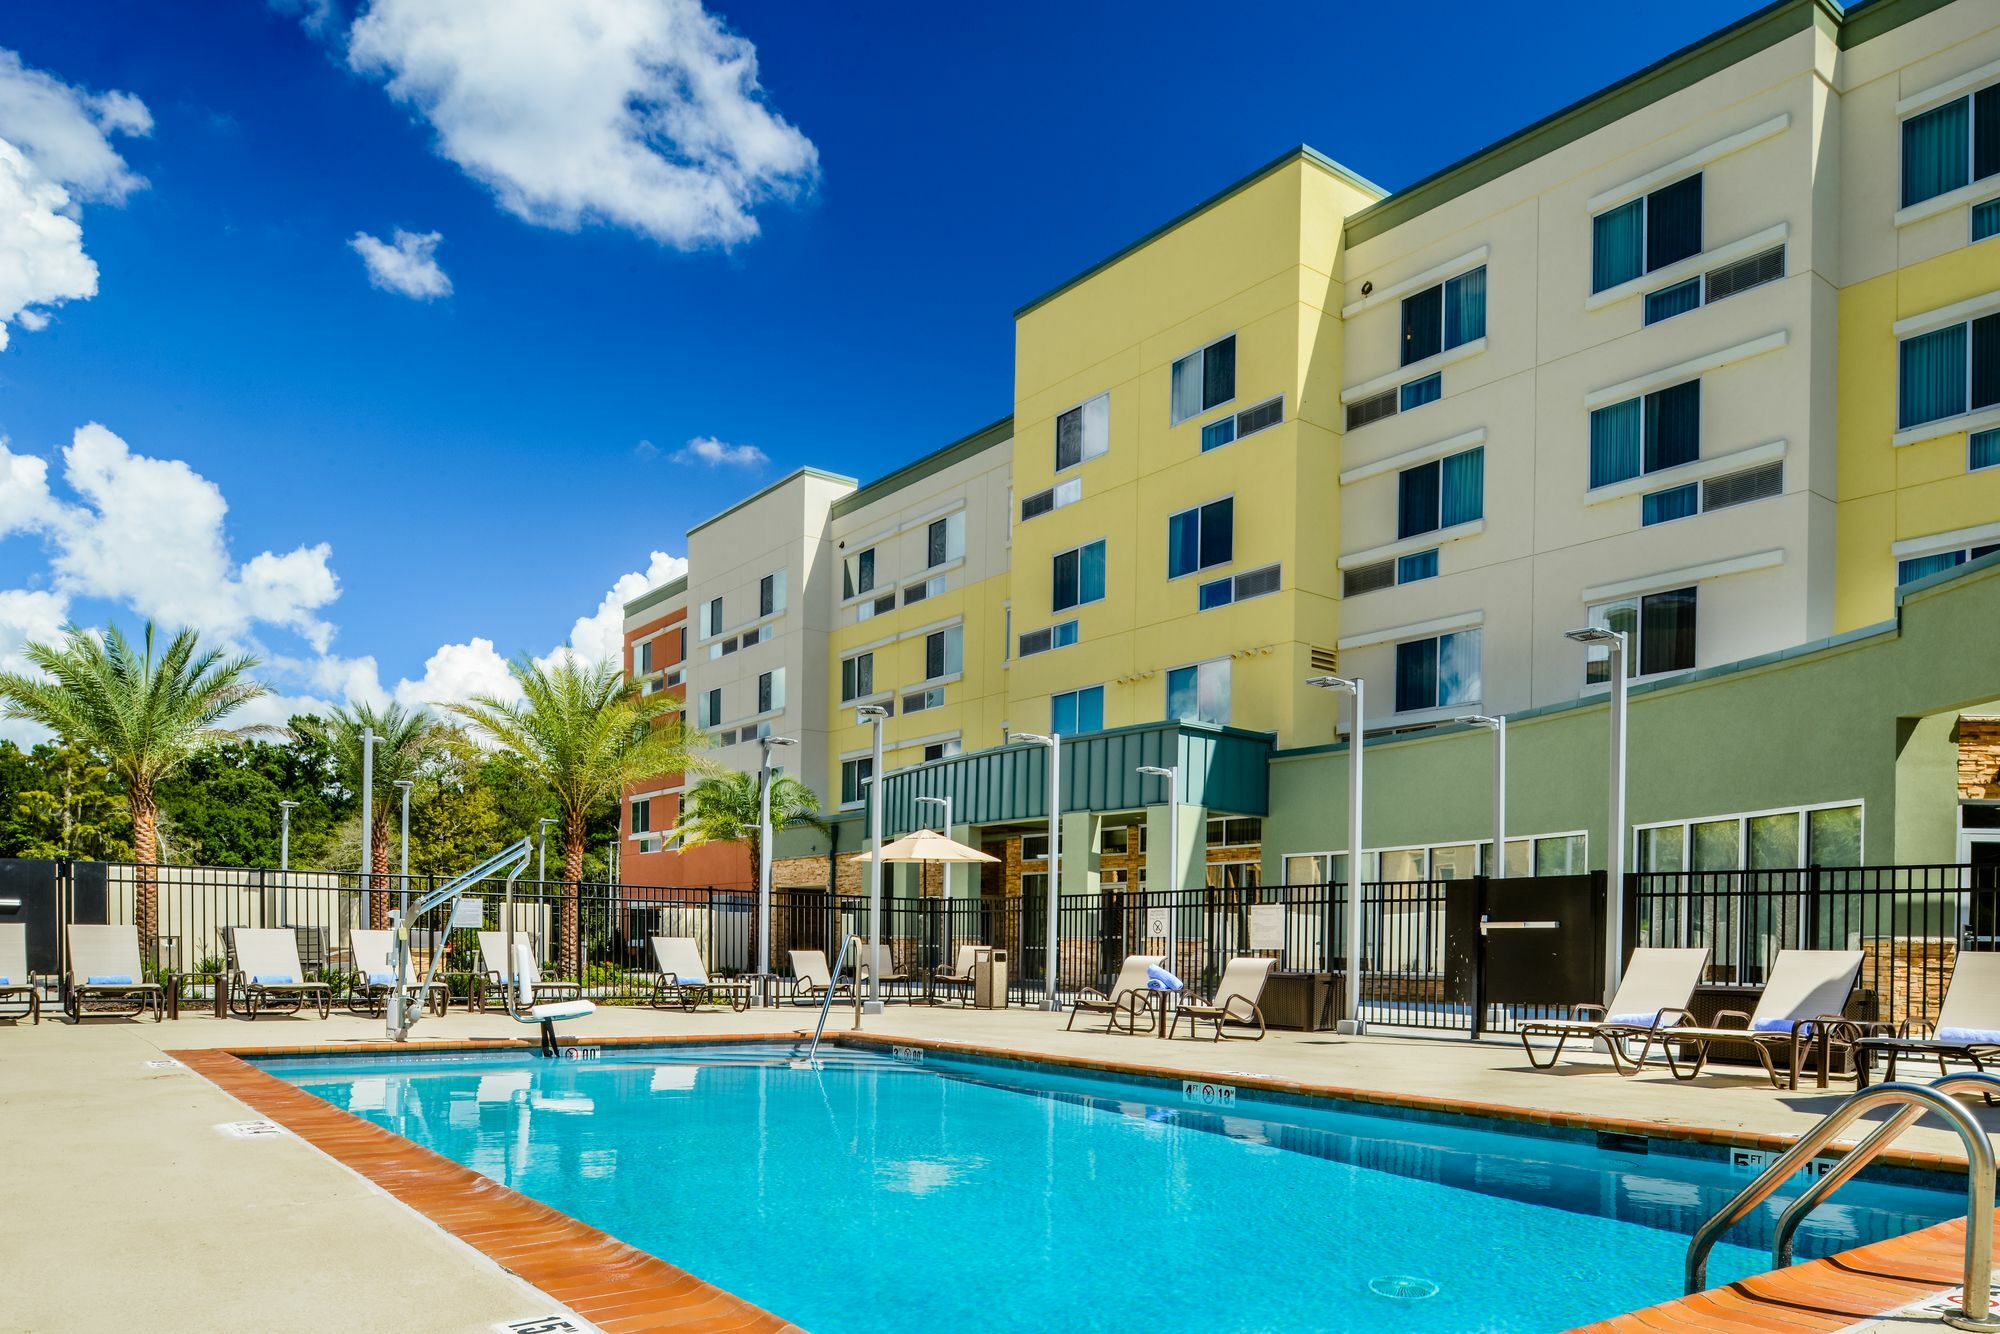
[(1436, 273), (1972, 192), (1690, 369), (1686, 165), (1939, 93), (1442, 625), (902, 526), (1410, 458), (1959, 312), (1441, 713), (1687, 574), (1680, 474), (1687, 823), (1930, 321), (935, 738), (1171, 363), (1978, 536), (1436, 537), (1416, 370), (657, 792), (1681, 270), (931, 629)]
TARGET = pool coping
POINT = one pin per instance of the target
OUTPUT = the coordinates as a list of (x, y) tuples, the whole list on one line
[(620, 1288)]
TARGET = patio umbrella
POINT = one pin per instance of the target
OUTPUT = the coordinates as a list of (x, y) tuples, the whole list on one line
[(927, 845)]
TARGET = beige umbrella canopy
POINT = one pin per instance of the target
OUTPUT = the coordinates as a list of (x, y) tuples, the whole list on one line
[(927, 845)]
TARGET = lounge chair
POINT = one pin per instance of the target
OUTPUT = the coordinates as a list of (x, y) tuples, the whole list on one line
[(375, 975), (812, 978), (1652, 997), (957, 975), (1120, 1000), (1234, 1002), (891, 975), (104, 966), (16, 987), (1802, 1002), (265, 976), (1967, 1026), (684, 979), (498, 977)]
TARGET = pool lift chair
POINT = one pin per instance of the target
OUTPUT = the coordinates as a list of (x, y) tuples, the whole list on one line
[(405, 1001)]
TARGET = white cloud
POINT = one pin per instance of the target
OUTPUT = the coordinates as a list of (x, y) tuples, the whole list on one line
[(600, 636), (707, 449), (26, 616), (457, 672), (55, 152), (640, 114), (409, 266)]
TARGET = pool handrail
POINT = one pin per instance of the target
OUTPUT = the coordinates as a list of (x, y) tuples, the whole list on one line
[(826, 1001), (1975, 1311)]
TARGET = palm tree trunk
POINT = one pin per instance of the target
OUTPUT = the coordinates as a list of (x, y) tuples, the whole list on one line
[(756, 891), (570, 957), (146, 851), (378, 867)]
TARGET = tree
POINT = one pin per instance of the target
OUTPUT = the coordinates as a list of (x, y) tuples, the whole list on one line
[(582, 733), (65, 804), (724, 808), (405, 740), (144, 713)]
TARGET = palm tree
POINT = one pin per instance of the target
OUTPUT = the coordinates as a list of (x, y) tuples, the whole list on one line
[(144, 712), (585, 733), (405, 739), (725, 808)]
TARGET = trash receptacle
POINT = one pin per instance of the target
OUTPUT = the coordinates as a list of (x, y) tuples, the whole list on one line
[(989, 981)]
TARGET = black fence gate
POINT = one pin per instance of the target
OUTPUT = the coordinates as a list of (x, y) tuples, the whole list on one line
[(1527, 947)]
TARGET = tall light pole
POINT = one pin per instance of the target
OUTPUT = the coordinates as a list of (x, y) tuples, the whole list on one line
[(1173, 777), (944, 803), (1499, 726), (875, 715), (1615, 646), (541, 852), (764, 859), (285, 809), (1053, 934), (368, 740), (1353, 687)]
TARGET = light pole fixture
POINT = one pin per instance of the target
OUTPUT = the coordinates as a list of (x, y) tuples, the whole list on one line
[(1499, 726), (1613, 642), (1173, 777), (398, 1001), (1053, 933), (1355, 687), (368, 739), (764, 858), (285, 809), (874, 715), (542, 851)]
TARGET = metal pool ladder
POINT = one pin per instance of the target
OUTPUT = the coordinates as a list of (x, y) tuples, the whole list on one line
[(811, 1061), (1913, 1100)]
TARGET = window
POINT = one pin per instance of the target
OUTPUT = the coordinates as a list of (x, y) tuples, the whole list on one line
[(1251, 420), (944, 652), (1204, 380), (854, 776), (711, 618), (918, 701), (857, 677), (1083, 432), (642, 658), (1075, 712), (1115, 840), (1983, 450), (1419, 392), (1659, 635), (1078, 576), (1060, 635), (929, 588), (1201, 538), (1713, 493), (1034, 848), (642, 815), (1439, 672), (1442, 493), (771, 594), (1389, 573), (711, 708), (941, 750), (1678, 502), (1199, 693), (882, 606), (1238, 588), (1951, 146), (1936, 379), (1646, 435), (1444, 316), (1920, 567), (1417, 565), (1057, 496), (1671, 301), (944, 541), (857, 574), (1239, 831), (771, 691), (1986, 220), (1649, 233)]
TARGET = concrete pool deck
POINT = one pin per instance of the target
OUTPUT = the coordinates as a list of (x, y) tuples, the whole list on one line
[(131, 1163)]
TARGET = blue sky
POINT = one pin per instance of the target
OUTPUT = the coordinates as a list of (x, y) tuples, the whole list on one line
[(895, 180)]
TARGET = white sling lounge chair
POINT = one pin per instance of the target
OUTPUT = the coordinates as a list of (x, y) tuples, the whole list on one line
[(16, 988), (1235, 1000), (812, 978), (499, 977), (267, 977), (1652, 997), (1804, 994), (1120, 1002), (104, 966), (1967, 1026), (684, 979), (375, 975), (957, 975)]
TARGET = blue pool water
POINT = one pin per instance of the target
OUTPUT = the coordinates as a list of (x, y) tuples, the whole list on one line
[(881, 1197)]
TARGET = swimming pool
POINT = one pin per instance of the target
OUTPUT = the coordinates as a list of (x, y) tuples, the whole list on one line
[(881, 1195)]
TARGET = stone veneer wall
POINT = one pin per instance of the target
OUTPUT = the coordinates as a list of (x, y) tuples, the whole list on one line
[(1978, 758)]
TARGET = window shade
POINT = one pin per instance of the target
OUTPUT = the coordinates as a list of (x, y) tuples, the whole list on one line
[(1218, 532), (1417, 500), (1930, 376), (1465, 307), (1614, 443), (1673, 223), (1666, 632), (1617, 245), (1673, 426), (1423, 325), (1462, 495), (1934, 157)]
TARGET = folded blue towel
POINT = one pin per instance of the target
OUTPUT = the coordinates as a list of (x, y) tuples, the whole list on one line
[(274, 980), (1159, 979), (1776, 1026), (109, 979), (6, 981), (1970, 1037), (381, 979), (1633, 1020)]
